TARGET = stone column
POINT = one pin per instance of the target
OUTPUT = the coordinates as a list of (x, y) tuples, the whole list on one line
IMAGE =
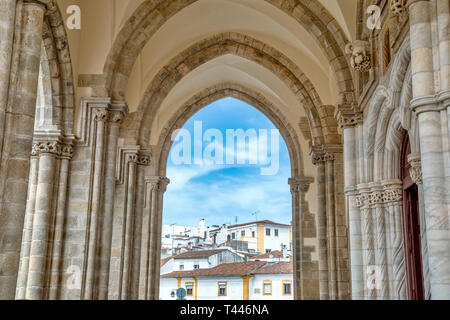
[(303, 289), (350, 122), (128, 225), (100, 118), (60, 219), (17, 134), (28, 227), (333, 242), (431, 103), (322, 227), (7, 19), (151, 238), (116, 115), (42, 221), (143, 163)]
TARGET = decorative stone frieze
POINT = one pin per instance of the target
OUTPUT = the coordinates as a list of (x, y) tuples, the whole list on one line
[(416, 168), (375, 195), (359, 56)]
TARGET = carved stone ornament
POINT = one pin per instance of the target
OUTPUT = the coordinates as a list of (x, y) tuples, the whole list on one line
[(398, 7), (359, 57), (372, 199)]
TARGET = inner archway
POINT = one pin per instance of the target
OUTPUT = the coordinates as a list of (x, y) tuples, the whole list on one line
[(303, 222), (237, 188)]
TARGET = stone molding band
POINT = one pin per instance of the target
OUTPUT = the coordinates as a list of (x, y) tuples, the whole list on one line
[(374, 195), (438, 102)]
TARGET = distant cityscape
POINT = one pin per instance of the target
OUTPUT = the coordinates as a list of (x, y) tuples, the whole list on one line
[(248, 261)]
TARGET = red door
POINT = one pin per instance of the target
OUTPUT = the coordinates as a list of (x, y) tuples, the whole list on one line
[(411, 222)]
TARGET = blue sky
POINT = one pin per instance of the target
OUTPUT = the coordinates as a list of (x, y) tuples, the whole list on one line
[(220, 192)]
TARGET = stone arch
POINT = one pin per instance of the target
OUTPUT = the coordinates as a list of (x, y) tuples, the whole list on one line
[(210, 95), (151, 15), (228, 43), (56, 47)]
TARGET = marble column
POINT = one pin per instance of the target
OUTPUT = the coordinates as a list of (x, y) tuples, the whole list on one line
[(303, 288), (17, 133), (431, 102), (350, 122)]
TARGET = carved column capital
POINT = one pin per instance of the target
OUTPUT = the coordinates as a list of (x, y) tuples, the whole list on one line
[(324, 153), (101, 115), (144, 160), (416, 168), (158, 183), (66, 151), (300, 184), (347, 117), (133, 158), (47, 147), (116, 117)]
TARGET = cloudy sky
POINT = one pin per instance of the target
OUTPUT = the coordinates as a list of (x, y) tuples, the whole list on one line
[(217, 179)]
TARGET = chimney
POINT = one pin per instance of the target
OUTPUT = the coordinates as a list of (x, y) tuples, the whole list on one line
[(284, 251)]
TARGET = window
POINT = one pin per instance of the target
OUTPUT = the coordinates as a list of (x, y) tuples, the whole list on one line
[(276, 232), (267, 287), (267, 232), (287, 288), (243, 233), (222, 289), (189, 289), (268, 250), (253, 234), (196, 266), (181, 266), (233, 236)]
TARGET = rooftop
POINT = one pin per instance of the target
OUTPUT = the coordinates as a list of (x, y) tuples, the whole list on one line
[(258, 222), (226, 269), (199, 254)]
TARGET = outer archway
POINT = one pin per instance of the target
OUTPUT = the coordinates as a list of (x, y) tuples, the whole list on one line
[(304, 226)]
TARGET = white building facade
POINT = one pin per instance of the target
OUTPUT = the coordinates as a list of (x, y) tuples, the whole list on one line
[(257, 280)]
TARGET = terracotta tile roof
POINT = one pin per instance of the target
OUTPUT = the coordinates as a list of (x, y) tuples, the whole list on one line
[(257, 222), (198, 254), (165, 260), (276, 254), (280, 267), (226, 269)]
